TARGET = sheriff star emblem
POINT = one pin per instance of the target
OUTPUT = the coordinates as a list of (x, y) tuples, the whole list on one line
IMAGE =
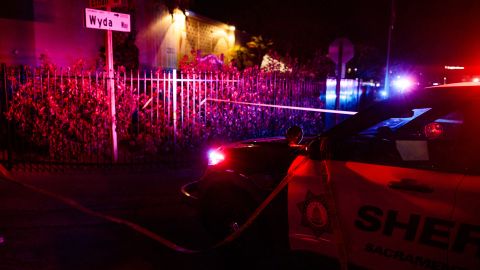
[(315, 214)]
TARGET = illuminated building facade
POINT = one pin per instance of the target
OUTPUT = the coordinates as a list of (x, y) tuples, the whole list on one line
[(165, 38), (55, 28)]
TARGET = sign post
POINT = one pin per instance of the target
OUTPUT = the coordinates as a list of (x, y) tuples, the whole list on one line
[(111, 92), (340, 51), (110, 21)]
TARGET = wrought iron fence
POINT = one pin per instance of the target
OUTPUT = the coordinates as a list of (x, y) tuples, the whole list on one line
[(61, 115)]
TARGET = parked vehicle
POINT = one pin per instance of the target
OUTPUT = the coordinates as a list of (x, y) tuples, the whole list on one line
[(396, 186)]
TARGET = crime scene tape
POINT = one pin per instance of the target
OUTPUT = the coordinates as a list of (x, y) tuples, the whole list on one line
[(76, 205), (281, 106), (142, 230), (338, 233)]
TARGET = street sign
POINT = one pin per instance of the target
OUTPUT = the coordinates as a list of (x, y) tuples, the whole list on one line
[(345, 46), (105, 20), (109, 21)]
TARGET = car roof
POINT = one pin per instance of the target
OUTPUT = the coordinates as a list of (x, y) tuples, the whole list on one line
[(462, 90), (456, 85)]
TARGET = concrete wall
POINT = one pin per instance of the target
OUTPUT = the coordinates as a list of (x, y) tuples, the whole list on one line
[(156, 37), (17, 45), (56, 29), (60, 32), (211, 37)]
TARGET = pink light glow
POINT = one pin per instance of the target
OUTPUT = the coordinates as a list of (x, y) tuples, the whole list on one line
[(215, 157)]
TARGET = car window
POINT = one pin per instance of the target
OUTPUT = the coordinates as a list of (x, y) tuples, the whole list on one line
[(426, 139), (432, 130), (448, 127), (433, 144), (394, 123)]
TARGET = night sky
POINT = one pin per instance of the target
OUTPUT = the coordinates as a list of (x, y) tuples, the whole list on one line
[(444, 32)]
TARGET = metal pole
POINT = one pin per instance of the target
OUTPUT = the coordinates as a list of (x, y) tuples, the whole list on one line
[(389, 43), (8, 123), (174, 90), (111, 89), (339, 81)]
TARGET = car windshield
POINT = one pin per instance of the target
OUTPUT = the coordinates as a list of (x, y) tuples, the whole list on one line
[(394, 123)]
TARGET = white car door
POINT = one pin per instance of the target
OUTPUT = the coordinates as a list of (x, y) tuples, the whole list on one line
[(464, 250), (384, 202)]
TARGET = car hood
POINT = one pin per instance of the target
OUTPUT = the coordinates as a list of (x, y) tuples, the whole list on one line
[(259, 156)]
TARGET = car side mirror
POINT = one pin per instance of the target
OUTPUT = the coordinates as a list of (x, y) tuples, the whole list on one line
[(384, 133), (294, 135)]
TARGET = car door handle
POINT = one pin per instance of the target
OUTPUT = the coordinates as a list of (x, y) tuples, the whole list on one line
[(410, 185)]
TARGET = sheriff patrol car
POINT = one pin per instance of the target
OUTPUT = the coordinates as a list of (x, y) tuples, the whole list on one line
[(396, 186)]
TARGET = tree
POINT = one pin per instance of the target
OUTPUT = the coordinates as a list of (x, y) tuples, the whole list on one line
[(252, 54), (125, 51), (175, 4), (321, 66), (258, 47), (241, 57), (368, 61)]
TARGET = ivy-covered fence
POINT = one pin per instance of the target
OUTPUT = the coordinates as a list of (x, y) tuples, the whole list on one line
[(62, 115)]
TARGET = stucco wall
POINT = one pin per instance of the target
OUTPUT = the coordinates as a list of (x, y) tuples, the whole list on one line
[(56, 29), (209, 36), (60, 32), (164, 38), (17, 46)]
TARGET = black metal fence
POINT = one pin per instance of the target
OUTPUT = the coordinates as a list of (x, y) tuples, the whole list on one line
[(62, 116)]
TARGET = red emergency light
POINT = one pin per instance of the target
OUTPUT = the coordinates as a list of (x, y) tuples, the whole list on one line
[(433, 130), (215, 156)]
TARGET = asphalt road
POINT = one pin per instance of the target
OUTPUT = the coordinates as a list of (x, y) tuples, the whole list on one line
[(40, 232)]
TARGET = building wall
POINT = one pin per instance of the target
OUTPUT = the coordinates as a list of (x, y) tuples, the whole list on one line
[(209, 36), (164, 38), (17, 46), (55, 29)]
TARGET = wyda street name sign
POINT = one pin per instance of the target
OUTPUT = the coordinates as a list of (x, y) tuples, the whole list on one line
[(105, 20), (110, 21)]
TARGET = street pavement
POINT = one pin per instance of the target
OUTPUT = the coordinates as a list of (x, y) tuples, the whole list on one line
[(40, 232)]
